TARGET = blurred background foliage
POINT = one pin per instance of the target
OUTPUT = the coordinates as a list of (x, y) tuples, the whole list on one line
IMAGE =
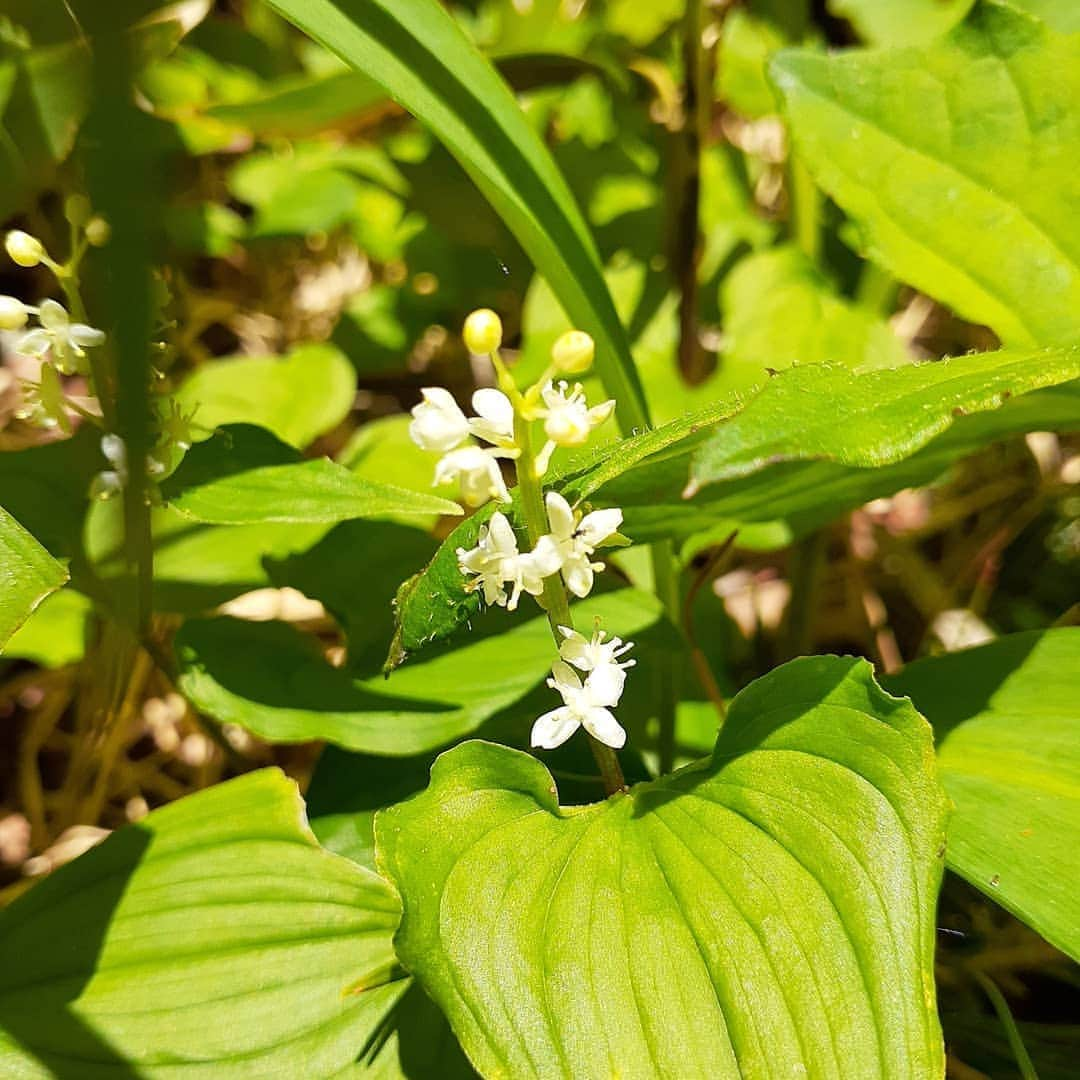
[(321, 250)]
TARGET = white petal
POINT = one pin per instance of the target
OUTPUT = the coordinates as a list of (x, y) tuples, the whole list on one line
[(554, 728), (34, 342), (438, 424), (575, 649), (503, 540), (560, 516), (601, 724), (604, 686), (86, 337), (52, 315), (494, 406), (546, 557), (599, 413), (564, 678), (596, 527), (441, 398), (578, 574)]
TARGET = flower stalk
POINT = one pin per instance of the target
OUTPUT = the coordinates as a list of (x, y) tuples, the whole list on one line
[(554, 600)]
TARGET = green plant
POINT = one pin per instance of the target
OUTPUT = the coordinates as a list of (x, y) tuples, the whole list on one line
[(795, 281)]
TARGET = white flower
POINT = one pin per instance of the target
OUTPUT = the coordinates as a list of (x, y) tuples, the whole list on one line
[(495, 420), (576, 541), (438, 424), (68, 341), (496, 561), (110, 482), (589, 654), (44, 401), (584, 705), (477, 470), (568, 420)]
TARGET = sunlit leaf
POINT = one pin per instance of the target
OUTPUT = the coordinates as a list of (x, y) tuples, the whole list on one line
[(957, 161), (244, 476), (214, 938), (28, 573), (1007, 726), (656, 933)]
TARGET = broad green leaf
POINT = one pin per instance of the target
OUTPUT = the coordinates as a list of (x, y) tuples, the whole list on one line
[(1060, 15), (786, 500), (779, 310), (768, 912), (419, 53), (245, 476), (197, 566), (28, 573), (272, 680), (957, 161), (354, 571), (45, 488), (870, 419), (55, 634), (1006, 718), (901, 22), (298, 397), (215, 939), (857, 423)]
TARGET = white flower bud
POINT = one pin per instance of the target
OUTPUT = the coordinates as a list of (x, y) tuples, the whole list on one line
[(573, 353), (13, 313), (438, 424), (24, 249), (482, 332)]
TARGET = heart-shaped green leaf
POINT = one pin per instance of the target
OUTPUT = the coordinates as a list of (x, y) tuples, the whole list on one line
[(245, 476), (958, 160), (1007, 721), (769, 912), (213, 939), (28, 573)]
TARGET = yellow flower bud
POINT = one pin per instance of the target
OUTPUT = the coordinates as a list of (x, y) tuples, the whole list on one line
[(24, 249), (98, 231), (483, 332), (13, 313), (573, 353)]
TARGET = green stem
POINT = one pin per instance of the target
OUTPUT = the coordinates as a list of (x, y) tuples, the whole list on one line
[(666, 584), (805, 208), (1012, 1032), (876, 289), (555, 601)]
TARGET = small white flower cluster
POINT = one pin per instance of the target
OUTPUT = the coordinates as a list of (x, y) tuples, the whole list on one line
[(496, 567), (57, 341), (439, 425), (566, 549), (585, 704)]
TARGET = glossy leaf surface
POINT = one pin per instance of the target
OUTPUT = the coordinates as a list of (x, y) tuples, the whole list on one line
[(28, 573), (1007, 722), (656, 933), (244, 476), (272, 680), (213, 940), (957, 161)]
